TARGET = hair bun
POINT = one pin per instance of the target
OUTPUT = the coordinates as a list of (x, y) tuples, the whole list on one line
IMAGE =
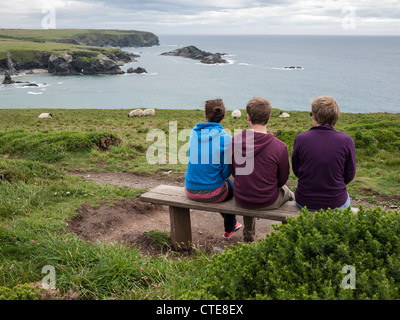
[(217, 110), (214, 110)]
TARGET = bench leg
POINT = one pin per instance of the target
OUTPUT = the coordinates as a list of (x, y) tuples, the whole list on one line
[(181, 230)]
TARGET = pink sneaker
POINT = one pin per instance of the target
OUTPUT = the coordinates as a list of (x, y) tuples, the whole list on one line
[(228, 235), (237, 226)]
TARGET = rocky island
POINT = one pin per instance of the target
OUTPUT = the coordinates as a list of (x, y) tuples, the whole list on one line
[(69, 52), (193, 52)]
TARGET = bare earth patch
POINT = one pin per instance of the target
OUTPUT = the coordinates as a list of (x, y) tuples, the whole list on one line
[(130, 220)]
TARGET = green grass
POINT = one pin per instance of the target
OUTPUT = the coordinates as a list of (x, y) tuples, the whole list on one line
[(25, 51), (53, 146), (52, 35), (376, 137), (37, 195)]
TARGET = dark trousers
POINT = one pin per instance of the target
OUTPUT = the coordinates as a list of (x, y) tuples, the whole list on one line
[(229, 219)]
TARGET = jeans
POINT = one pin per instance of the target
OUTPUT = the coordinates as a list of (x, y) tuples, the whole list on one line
[(346, 205)]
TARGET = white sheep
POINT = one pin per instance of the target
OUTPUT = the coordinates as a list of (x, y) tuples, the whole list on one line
[(149, 112), (236, 114), (45, 115), (284, 115), (136, 113)]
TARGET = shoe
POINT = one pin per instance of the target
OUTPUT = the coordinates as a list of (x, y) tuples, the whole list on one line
[(237, 226), (228, 235)]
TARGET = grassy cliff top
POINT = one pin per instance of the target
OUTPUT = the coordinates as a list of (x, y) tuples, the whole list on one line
[(24, 51), (55, 35)]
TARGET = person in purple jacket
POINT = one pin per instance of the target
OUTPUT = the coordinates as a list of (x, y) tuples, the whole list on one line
[(260, 165), (324, 160)]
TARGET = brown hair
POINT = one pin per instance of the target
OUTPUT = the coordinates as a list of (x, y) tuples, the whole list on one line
[(215, 110), (325, 110), (259, 110)]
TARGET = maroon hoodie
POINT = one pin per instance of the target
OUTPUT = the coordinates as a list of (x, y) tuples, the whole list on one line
[(259, 168)]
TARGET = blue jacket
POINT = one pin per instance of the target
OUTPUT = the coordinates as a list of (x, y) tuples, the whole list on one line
[(208, 157)]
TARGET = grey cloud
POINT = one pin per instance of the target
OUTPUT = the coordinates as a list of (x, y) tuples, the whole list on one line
[(179, 16)]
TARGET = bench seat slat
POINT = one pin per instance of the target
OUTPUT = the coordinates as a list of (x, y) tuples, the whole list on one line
[(176, 197)]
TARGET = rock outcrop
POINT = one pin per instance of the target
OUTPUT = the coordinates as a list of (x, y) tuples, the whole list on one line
[(293, 68), (193, 52), (82, 64), (8, 80), (70, 63), (137, 70)]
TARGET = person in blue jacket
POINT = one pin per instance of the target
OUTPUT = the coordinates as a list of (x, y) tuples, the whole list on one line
[(207, 174)]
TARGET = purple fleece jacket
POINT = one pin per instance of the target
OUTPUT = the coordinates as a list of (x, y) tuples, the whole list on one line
[(267, 161), (324, 160)]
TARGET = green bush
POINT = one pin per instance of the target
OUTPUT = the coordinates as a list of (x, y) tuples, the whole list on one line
[(20, 292), (366, 142), (304, 260), (373, 137), (388, 139), (53, 146)]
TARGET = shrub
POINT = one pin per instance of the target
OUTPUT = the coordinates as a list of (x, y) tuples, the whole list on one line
[(20, 292), (373, 138), (366, 142), (304, 260)]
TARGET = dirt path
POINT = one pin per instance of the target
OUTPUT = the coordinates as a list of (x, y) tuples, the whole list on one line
[(130, 220)]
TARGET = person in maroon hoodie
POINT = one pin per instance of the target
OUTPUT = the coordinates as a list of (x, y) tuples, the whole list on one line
[(260, 165), (324, 160)]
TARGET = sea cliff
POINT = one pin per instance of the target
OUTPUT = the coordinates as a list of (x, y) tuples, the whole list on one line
[(69, 51)]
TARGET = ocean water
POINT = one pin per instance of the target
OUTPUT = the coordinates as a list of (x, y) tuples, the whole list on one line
[(361, 72)]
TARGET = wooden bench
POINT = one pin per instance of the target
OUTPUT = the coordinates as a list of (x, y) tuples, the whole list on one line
[(180, 205)]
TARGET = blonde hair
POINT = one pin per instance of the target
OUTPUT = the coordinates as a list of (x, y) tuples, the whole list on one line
[(325, 110), (259, 110)]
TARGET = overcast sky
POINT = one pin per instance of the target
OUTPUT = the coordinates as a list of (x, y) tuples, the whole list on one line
[(329, 17)]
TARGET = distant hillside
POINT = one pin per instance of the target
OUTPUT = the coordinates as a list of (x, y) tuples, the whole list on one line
[(87, 37), (69, 51)]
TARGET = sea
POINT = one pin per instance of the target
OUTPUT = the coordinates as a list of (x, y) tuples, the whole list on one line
[(361, 72)]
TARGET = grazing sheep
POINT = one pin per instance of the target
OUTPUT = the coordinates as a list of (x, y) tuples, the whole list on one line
[(136, 113), (149, 112), (284, 115), (236, 114), (45, 115)]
